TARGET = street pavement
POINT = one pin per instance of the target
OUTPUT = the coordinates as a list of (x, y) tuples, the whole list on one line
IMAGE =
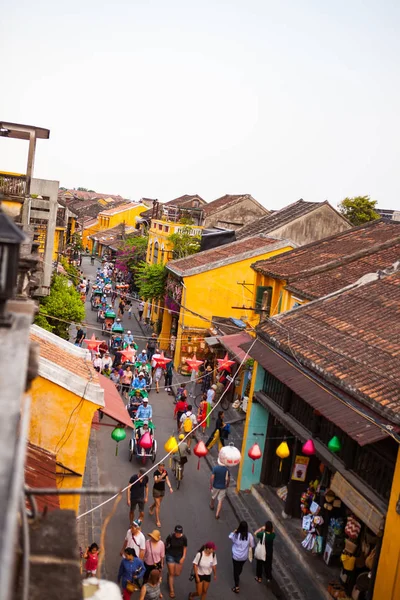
[(188, 506)]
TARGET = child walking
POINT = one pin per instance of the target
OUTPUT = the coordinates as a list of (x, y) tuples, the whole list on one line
[(92, 560)]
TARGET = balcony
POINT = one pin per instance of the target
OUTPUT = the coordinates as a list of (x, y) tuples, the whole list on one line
[(13, 185), (177, 214)]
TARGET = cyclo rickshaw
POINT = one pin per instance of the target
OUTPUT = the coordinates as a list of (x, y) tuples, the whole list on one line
[(138, 444), (109, 318), (101, 313), (95, 300)]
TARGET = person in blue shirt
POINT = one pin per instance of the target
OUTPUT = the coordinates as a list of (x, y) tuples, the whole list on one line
[(139, 382), (142, 357), (219, 482), (116, 325), (128, 338), (145, 411), (131, 569)]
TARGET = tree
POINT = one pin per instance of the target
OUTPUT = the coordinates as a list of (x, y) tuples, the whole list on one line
[(131, 253), (184, 243), (64, 304), (82, 189), (151, 280), (358, 210)]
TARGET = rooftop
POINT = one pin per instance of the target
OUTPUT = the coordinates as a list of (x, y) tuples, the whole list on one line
[(114, 234), (224, 255), (121, 208), (224, 202), (351, 339), (279, 218), (22, 132), (40, 472)]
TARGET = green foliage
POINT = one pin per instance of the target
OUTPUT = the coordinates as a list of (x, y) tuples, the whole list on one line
[(42, 322), (72, 271), (131, 253), (359, 210), (82, 189), (151, 280), (184, 244), (77, 241), (64, 303)]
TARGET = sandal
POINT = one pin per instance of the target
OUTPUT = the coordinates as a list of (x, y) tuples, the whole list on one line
[(258, 579), (172, 594), (235, 589), (151, 511), (158, 524)]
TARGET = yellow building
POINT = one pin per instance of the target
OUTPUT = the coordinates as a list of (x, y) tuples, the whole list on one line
[(127, 213), (65, 397), (214, 282)]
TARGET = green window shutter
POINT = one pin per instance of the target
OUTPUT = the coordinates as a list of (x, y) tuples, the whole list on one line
[(263, 300)]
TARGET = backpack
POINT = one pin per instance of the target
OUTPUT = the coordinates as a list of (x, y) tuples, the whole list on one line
[(187, 425)]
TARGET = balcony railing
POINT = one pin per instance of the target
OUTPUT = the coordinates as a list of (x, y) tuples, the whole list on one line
[(176, 214), (13, 185)]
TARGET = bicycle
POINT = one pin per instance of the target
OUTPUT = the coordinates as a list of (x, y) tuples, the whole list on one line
[(177, 469)]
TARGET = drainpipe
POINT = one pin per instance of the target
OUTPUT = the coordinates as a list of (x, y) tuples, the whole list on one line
[(183, 306)]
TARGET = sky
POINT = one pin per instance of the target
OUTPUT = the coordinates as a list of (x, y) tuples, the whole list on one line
[(160, 98)]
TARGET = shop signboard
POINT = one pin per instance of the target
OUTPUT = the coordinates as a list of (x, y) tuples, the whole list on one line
[(300, 468)]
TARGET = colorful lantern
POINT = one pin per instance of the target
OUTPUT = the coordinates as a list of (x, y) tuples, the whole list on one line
[(171, 445), (200, 450), (229, 456), (334, 444), (161, 360), (194, 363), (127, 355), (283, 452), (224, 364), (118, 435), (145, 441), (255, 454), (308, 449), (93, 344)]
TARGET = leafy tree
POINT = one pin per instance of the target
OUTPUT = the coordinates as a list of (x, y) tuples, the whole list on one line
[(151, 280), (63, 303), (131, 253), (72, 271), (82, 189), (184, 244), (42, 322), (359, 210)]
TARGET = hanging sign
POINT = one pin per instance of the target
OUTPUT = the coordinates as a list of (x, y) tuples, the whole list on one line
[(300, 468)]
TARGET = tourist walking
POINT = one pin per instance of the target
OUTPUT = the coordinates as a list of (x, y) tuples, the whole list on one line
[(175, 554), (264, 551), (160, 479), (242, 545), (204, 565), (92, 560), (218, 433), (154, 553), (151, 589), (219, 482), (137, 494), (130, 571), (134, 539), (180, 407), (187, 422), (151, 346), (168, 375), (140, 310)]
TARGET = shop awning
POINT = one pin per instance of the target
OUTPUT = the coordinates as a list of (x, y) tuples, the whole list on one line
[(40, 472), (114, 405), (358, 427), (211, 341), (232, 344)]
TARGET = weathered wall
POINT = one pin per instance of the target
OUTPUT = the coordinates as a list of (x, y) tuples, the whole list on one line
[(236, 216)]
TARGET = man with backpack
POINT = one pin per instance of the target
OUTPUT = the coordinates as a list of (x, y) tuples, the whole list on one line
[(188, 421)]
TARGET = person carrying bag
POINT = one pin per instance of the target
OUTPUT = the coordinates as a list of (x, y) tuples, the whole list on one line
[(264, 551)]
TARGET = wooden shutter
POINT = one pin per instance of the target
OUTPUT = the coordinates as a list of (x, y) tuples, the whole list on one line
[(263, 300)]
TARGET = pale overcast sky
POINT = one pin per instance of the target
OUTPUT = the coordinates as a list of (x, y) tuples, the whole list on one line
[(160, 98)]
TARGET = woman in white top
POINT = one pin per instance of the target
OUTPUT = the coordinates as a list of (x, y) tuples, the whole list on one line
[(204, 564), (242, 541)]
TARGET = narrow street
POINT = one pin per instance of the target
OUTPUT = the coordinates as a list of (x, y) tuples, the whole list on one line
[(189, 506)]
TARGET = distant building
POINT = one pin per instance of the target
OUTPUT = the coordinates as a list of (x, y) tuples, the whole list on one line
[(233, 211), (388, 214)]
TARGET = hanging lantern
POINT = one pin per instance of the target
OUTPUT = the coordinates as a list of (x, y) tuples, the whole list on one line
[(229, 456), (171, 445), (92, 343), (224, 364), (194, 363), (145, 441), (161, 360), (127, 355), (308, 449), (283, 452), (334, 444), (200, 450), (255, 454), (118, 435)]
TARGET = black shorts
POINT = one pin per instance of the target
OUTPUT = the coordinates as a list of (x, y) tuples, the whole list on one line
[(205, 578), (138, 503)]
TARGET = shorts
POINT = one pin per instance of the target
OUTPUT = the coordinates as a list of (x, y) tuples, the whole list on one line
[(91, 573), (139, 504), (217, 494), (205, 578), (172, 560), (158, 493)]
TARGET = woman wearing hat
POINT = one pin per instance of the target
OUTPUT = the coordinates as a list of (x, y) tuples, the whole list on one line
[(204, 565), (154, 553)]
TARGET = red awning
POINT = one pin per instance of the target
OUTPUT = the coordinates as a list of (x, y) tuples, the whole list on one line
[(232, 344), (114, 405), (40, 472)]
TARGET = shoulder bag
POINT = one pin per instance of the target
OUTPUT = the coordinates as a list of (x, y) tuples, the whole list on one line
[(260, 553)]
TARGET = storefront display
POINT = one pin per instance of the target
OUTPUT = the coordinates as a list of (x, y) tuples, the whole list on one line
[(192, 343)]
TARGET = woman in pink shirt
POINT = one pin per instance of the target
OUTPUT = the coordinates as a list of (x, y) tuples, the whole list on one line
[(154, 553)]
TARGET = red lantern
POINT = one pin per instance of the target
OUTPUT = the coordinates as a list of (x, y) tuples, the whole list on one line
[(127, 355), (254, 453), (200, 450), (161, 360), (93, 344), (224, 364), (145, 441), (194, 363)]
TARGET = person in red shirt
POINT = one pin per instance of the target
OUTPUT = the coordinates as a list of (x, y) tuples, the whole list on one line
[(180, 407)]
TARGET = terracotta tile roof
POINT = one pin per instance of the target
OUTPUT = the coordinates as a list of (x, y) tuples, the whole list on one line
[(68, 360), (223, 202), (185, 200), (351, 339), (114, 405), (337, 247), (114, 234), (233, 342), (227, 254), (120, 207), (278, 218), (40, 472)]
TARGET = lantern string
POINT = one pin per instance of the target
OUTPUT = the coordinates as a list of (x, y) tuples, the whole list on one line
[(162, 460)]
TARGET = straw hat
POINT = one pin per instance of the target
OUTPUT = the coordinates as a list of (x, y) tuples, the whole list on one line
[(155, 535)]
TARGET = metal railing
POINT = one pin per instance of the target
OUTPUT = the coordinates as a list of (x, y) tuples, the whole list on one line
[(13, 185), (175, 214)]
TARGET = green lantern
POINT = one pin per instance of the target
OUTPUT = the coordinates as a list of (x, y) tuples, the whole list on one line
[(118, 435), (334, 444)]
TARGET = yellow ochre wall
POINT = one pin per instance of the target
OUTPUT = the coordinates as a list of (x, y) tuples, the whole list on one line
[(159, 232), (127, 216), (50, 428), (387, 584), (282, 299)]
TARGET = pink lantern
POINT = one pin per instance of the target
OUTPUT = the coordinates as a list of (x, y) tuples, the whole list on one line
[(194, 363), (229, 456), (145, 441), (161, 360), (308, 449), (255, 454), (200, 450), (224, 364), (92, 344)]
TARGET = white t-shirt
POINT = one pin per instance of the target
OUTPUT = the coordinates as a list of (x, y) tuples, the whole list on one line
[(206, 563), (137, 542)]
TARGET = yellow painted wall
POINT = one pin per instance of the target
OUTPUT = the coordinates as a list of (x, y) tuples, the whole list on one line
[(387, 584), (159, 232), (52, 406), (282, 299), (127, 216), (59, 241)]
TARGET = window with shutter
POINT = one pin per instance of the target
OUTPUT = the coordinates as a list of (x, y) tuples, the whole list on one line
[(263, 300)]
